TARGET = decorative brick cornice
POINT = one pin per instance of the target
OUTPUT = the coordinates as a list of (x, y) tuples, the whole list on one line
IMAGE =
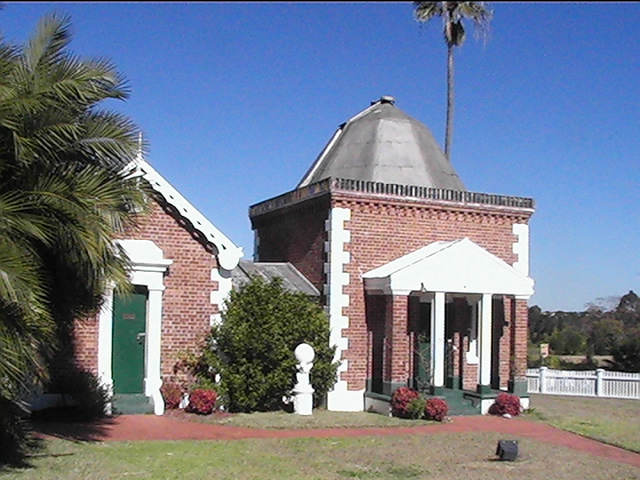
[(385, 193)]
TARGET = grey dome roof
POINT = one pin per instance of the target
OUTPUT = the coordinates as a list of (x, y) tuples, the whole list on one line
[(384, 144)]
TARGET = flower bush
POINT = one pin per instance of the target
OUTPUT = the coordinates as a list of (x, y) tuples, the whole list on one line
[(436, 409), (202, 401), (172, 395), (506, 403), (400, 401)]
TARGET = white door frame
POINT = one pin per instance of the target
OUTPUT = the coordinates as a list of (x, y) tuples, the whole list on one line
[(148, 268)]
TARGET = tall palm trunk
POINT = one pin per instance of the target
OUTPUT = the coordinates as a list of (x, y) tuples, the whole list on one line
[(449, 126)]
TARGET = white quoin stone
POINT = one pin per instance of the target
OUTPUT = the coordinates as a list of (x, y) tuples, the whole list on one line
[(303, 391)]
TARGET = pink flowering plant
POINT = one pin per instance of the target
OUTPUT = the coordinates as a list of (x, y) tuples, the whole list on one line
[(506, 403), (400, 401), (436, 409), (172, 394), (202, 401), (409, 403)]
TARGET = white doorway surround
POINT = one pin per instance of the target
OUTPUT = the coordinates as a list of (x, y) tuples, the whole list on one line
[(148, 268)]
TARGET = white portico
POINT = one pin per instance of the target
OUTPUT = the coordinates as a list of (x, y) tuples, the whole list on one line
[(438, 273)]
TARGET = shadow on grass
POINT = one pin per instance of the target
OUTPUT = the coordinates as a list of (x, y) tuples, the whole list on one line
[(67, 424)]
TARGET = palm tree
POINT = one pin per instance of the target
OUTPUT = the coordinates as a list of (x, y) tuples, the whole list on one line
[(453, 14), (65, 195)]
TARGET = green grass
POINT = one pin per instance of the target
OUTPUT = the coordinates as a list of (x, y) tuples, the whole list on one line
[(610, 420), (417, 456), (441, 456), (287, 421)]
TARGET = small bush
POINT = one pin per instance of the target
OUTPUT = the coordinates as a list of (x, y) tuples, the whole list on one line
[(257, 365), (416, 407), (89, 396), (16, 436), (506, 403), (202, 401), (400, 401), (172, 395), (436, 409)]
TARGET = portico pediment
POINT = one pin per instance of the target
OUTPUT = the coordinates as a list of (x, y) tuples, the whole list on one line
[(460, 266)]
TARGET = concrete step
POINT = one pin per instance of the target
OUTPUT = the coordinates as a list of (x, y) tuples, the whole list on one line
[(131, 404), (459, 404)]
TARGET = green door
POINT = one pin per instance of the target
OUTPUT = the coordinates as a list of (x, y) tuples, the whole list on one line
[(129, 319)]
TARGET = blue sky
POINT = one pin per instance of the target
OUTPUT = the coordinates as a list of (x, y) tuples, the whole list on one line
[(238, 99)]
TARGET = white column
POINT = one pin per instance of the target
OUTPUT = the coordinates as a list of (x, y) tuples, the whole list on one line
[(472, 352), (437, 339), (105, 341), (153, 381), (485, 339)]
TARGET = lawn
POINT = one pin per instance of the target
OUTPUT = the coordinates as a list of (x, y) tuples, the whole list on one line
[(441, 456), (417, 456), (610, 420), (287, 421)]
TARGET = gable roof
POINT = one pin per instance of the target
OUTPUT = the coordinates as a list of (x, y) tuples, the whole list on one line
[(458, 266), (228, 253), (384, 144), (292, 279)]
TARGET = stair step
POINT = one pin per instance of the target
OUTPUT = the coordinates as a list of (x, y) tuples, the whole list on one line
[(459, 405), (131, 404)]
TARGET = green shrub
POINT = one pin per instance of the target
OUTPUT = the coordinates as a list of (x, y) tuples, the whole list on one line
[(89, 396), (626, 356), (415, 408), (252, 349), (16, 438)]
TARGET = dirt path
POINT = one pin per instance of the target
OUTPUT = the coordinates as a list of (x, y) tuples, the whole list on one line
[(150, 427)]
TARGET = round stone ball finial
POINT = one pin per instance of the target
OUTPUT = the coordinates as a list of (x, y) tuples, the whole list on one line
[(304, 353)]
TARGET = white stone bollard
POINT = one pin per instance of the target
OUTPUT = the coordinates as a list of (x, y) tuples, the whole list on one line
[(303, 391)]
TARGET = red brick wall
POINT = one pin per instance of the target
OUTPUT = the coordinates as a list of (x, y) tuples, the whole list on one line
[(519, 337), (383, 230), (85, 345), (296, 234), (186, 308)]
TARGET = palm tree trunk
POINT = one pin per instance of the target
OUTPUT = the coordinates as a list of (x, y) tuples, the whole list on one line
[(449, 125)]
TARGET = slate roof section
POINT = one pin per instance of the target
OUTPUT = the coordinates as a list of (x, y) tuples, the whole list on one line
[(384, 144), (292, 279)]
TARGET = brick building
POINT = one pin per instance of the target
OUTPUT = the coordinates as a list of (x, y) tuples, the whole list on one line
[(182, 273), (426, 284)]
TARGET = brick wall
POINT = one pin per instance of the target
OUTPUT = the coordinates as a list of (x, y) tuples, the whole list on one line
[(519, 337), (385, 229), (186, 306), (295, 234)]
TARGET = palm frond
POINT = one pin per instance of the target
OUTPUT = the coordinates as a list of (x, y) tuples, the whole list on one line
[(47, 46)]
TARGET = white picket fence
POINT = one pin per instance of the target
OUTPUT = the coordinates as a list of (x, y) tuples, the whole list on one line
[(588, 383)]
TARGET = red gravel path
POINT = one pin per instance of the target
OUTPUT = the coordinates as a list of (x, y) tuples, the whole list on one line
[(150, 427)]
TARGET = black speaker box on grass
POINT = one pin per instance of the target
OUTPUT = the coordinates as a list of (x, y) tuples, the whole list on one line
[(507, 450)]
